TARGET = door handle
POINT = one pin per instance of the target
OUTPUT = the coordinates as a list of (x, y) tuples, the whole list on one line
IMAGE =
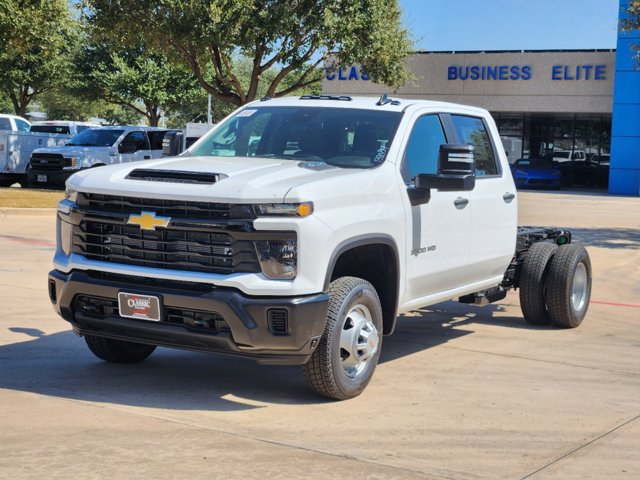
[(507, 197), (147, 157), (461, 202)]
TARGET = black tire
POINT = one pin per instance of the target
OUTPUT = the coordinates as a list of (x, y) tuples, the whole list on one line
[(118, 351), (329, 371), (533, 281), (569, 268)]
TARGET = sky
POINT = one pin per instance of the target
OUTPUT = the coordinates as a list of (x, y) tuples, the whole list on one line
[(444, 25)]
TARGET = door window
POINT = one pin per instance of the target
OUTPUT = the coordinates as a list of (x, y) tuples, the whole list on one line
[(138, 139), (421, 154), (22, 125), (472, 131)]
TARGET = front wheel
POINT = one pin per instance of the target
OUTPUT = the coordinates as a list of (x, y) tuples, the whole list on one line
[(118, 351), (346, 357)]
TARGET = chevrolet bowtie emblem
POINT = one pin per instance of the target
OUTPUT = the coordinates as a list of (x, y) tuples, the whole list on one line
[(148, 220)]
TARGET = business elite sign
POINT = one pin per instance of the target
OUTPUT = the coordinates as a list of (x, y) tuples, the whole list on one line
[(489, 72), (525, 72)]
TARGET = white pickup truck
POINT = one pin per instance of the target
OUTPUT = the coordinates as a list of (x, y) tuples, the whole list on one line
[(94, 147), (17, 142), (297, 231)]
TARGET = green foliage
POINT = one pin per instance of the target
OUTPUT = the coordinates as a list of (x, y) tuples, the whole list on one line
[(144, 82), (632, 22), (5, 104), (291, 38), (64, 103), (36, 38)]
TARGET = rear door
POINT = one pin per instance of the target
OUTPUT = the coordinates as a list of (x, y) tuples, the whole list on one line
[(493, 206)]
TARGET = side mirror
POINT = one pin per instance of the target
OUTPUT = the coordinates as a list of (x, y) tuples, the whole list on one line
[(456, 170), (127, 147)]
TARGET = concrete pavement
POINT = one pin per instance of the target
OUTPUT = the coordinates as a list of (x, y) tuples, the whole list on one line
[(461, 392)]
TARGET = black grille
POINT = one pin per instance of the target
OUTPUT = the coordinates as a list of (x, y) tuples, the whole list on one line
[(168, 208), (187, 250), (48, 161), (173, 176), (199, 319)]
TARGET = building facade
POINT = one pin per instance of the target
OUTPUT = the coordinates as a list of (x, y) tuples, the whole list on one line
[(557, 104)]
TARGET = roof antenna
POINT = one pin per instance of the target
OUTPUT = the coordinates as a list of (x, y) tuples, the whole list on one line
[(384, 99)]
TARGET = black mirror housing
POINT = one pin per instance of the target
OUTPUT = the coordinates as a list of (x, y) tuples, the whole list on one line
[(456, 170)]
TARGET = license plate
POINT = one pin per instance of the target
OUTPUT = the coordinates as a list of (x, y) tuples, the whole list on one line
[(142, 307), (42, 178)]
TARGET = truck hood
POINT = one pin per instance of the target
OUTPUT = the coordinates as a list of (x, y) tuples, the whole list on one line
[(241, 179), (75, 151)]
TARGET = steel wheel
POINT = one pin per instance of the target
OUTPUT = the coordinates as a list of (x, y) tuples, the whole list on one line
[(580, 288), (359, 340)]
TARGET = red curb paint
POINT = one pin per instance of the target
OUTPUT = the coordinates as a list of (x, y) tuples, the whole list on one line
[(28, 241), (615, 304)]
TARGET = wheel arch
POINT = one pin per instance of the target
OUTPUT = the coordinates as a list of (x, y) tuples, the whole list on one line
[(373, 258)]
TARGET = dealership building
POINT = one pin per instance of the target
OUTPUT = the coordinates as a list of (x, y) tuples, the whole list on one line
[(580, 103)]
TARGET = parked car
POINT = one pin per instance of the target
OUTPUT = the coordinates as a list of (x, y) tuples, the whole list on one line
[(562, 156), (536, 172), (61, 127), (92, 148)]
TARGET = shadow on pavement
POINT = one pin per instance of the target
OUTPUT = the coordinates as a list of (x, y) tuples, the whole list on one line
[(607, 237), (61, 365)]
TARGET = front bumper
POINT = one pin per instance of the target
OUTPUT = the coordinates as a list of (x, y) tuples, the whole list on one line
[(249, 333), (51, 177)]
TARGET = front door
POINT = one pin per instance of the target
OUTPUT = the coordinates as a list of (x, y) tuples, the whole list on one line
[(438, 242)]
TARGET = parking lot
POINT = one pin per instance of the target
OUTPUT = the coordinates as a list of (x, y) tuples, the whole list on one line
[(462, 392)]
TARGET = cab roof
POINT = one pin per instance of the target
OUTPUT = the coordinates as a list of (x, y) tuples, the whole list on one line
[(384, 102)]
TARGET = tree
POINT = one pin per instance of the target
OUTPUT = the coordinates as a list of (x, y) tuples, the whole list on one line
[(295, 37), (632, 22), (146, 83), (35, 40)]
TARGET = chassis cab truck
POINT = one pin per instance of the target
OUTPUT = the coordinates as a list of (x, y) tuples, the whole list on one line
[(296, 232)]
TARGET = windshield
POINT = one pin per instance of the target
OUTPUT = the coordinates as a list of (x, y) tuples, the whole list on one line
[(352, 138), (95, 137), (59, 129)]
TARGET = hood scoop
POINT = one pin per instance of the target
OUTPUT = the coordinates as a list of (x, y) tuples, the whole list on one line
[(175, 176)]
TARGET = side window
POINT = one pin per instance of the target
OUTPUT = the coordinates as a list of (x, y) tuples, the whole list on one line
[(138, 139), (5, 123), (421, 154), (472, 131), (22, 125)]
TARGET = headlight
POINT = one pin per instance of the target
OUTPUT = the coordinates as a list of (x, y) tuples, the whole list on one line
[(76, 162), (70, 193), (278, 258), (284, 209)]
